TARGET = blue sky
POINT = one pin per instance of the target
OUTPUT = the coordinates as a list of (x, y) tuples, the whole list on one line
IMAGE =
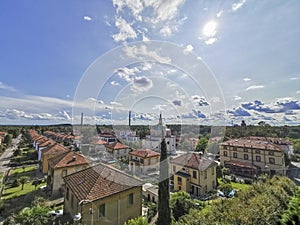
[(48, 48)]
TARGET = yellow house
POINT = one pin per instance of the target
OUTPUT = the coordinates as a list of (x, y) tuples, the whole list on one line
[(143, 161), (51, 152), (253, 155), (62, 165), (193, 173), (102, 195)]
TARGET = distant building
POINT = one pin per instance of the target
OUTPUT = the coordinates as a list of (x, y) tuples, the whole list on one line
[(118, 150), (103, 195), (143, 161), (153, 140), (150, 192), (253, 155), (193, 173)]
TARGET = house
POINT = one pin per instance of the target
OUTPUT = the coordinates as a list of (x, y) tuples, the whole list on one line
[(62, 165), (118, 150), (50, 152), (193, 173), (143, 161), (42, 146), (102, 195), (250, 156), (109, 138), (97, 148), (150, 192)]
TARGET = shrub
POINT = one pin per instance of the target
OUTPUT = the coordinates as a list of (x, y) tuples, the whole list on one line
[(15, 183)]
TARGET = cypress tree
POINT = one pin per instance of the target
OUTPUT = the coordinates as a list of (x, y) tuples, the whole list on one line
[(164, 212)]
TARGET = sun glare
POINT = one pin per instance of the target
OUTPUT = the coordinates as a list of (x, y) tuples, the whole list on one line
[(209, 29)]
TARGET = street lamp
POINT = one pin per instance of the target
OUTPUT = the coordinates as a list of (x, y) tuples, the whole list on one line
[(78, 216)]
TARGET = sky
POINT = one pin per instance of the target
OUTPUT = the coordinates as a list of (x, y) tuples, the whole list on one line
[(200, 62)]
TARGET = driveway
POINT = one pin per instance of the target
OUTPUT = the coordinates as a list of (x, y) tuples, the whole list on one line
[(8, 153)]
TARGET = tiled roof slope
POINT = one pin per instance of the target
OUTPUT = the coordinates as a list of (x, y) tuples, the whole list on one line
[(194, 161), (99, 182), (116, 146), (54, 149), (68, 159), (256, 142), (144, 153)]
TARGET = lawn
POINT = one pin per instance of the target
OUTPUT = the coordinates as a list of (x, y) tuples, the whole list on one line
[(16, 191), (21, 170), (236, 186)]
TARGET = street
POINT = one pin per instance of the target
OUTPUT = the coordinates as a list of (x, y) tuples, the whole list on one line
[(7, 154)]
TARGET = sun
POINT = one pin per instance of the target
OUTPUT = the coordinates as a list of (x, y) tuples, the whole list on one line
[(209, 29)]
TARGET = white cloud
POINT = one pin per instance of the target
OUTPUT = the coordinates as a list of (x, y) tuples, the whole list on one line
[(125, 30), (294, 78), (115, 83), (246, 79), (140, 52), (210, 29), (298, 92), (6, 87), (219, 14), (236, 98), (142, 83), (115, 103), (163, 17), (126, 73), (210, 41), (188, 49), (253, 87), (236, 6), (87, 18)]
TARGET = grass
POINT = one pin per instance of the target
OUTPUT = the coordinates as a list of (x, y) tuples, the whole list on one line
[(236, 186), (16, 191), (20, 169)]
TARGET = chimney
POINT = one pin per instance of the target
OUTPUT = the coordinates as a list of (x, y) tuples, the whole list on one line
[(129, 118), (81, 122), (74, 158)]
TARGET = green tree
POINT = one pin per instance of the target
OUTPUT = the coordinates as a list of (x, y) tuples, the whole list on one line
[(180, 203), (137, 221), (7, 139), (202, 144), (23, 180), (292, 215), (164, 212), (37, 215)]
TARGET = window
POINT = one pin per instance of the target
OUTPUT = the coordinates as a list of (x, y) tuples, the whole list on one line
[(130, 199), (205, 174), (194, 174), (245, 150), (234, 148), (213, 171), (225, 153), (258, 159), (102, 210), (234, 155), (271, 153), (63, 173), (246, 157), (179, 180), (225, 147), (213, 184), (271, 160), (257, 151), (174, 169)]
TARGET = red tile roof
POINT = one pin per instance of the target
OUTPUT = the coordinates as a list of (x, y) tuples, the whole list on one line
[(117, 146), (194, 161), (54, 149), (99, 142), (47, 143), (241, 164), (68, 159), (99, 182), (263, 143), (144, 153)]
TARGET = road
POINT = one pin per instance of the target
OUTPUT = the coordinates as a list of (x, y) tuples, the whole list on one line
[(7, 154)]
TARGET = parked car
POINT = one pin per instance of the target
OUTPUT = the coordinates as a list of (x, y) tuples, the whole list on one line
[(56, 213)]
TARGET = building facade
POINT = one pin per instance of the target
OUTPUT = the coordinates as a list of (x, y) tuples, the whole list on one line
[(143, 161), (193, 173), (103, 195), (253, 155)]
